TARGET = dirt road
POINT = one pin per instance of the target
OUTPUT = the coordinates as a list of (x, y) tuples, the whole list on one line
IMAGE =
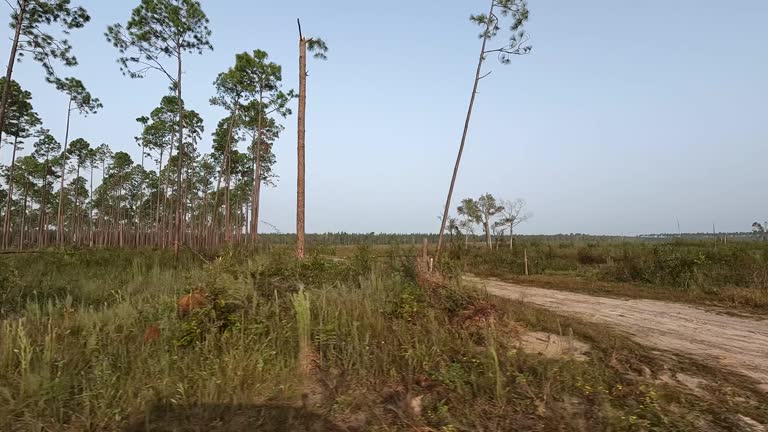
[(733, 343)]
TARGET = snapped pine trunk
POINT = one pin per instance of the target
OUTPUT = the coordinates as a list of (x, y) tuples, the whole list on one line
[(300, 180)]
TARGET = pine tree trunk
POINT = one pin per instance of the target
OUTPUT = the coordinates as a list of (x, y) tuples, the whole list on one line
[(181, 153), (90, 210), (166, 212), (466, 129), (60, 217), (257, 174), (44, 192), (256, 197), (158, 236), (24, 217), (7, 221), (204, 220), (228, 150), (141, 198), (300, 180), (75, 218)]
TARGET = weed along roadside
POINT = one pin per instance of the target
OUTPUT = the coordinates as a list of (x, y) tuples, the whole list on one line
[(322, 344)]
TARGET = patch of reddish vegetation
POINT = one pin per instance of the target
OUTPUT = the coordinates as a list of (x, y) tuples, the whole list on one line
[(191, 302), (478, 314), (152, 333), (427, 279)]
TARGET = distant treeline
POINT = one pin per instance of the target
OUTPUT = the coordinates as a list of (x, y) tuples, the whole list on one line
[(344, 238)]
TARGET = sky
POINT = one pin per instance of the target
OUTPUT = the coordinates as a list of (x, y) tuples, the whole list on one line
[(625, 117)]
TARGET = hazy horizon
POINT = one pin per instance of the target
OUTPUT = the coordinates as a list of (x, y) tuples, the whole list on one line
[(624, 119)]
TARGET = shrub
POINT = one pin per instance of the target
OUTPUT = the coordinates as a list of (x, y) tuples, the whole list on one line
[(588, 256)]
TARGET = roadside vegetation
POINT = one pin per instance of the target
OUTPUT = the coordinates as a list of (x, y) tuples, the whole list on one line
[(98, 340), (696, 271)]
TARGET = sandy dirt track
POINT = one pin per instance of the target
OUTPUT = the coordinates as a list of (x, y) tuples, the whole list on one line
[(737, 344)]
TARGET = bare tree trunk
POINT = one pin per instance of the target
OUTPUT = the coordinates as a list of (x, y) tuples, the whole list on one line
[(215, 209), (75, 219), (119, 218), (7, 222), (255, 198), (300, 180), (43, 193), (166, 215), (256, 195), (511, 235), (204, 219), (158, 236), (141, 198), (228, 210), (466, 129), (11, 61), (181, 154), (24, 217), (90, 209), (60, 216)]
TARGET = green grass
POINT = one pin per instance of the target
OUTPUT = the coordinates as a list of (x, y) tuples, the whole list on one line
[(73, 356)]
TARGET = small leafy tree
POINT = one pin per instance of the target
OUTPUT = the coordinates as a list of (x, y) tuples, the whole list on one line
[(760, 230), (469, 211), (489, 208), (158, 30), (319, 47), (516, 13), (513, 215)]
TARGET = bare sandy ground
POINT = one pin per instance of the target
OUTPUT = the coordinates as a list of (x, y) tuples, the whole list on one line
[(736, 344)]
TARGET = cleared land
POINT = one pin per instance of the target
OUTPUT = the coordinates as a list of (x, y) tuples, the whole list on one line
[(733, 343)]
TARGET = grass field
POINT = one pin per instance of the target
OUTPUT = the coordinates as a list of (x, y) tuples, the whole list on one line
[(353, 344)]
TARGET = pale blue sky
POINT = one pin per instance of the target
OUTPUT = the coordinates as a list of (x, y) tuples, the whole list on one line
[(626, 115)]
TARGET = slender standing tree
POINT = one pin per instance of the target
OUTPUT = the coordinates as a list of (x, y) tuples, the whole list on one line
[(28, 20), (319, 47), (161, 29), (28, 170), (515, 11), (46, 149), (80, 151), (103, 154), (81, 100)]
